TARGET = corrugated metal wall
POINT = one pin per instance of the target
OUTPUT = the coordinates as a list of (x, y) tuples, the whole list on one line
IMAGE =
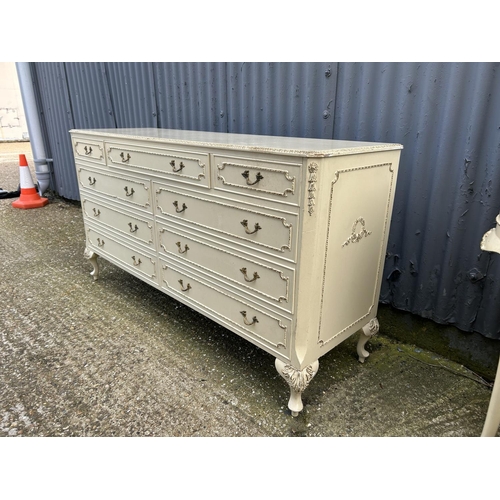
[(447, 116)]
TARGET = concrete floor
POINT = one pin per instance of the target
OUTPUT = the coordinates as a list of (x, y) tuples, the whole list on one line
[(116, 357)]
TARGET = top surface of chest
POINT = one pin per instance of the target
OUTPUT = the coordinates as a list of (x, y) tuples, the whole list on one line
[(295, 146)]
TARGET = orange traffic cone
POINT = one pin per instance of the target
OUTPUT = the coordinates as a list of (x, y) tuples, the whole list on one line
[(29, 194)]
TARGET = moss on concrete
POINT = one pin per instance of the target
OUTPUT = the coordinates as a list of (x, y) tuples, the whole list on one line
[(472, 350)]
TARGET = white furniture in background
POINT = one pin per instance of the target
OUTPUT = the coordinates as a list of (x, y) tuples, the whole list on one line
[(281, 240), (491, 243)]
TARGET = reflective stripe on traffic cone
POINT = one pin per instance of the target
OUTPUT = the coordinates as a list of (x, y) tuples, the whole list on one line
[(29, 194)]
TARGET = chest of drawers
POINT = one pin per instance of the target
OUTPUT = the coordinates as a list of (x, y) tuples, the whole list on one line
[(281, 240)]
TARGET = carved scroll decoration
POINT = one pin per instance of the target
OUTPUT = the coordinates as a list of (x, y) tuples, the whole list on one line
[(313, 178), (356, 237)]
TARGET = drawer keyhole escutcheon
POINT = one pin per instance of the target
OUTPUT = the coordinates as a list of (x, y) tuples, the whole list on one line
[(188, 287), (244, 223), (186, 248), (176, 205), (136, 262), (181, 166), (92, 181), (127, 192), (122, 156), (133, 229), (254, 319), (88, 150), (100, 243), (97, 212), (258, 177), (255, 275)]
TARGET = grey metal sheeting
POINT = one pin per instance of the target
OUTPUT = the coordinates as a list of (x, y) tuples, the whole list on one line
[(447, 116)]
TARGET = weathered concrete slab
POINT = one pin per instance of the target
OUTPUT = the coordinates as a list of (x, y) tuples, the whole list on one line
[(116, 357)]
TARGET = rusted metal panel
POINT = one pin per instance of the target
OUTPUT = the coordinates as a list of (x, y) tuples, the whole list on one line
[(287, 99), (191, 96), (447, 116)]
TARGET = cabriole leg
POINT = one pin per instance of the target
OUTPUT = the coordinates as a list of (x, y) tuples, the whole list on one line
[(298, 380), (367, 332), (92, 257)]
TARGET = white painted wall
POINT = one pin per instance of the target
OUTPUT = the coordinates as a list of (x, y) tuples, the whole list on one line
[(13, 126)]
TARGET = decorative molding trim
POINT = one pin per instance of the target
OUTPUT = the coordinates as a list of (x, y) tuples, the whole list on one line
[(286, 279), (313, 178), (217, 313), (115, 259), (121, 179), (287, 225), (127, 233), (356, 237), (321, 342), (260, 168), (89, 156), (170, 156)]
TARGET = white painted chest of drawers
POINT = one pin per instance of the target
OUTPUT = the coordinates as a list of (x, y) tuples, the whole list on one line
[(281, 240)]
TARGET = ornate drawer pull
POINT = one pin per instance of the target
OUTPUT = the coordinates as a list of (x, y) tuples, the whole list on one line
[(176, 205), (136, 262), (258, 177), (92, 181), (133, 230), (97, 213), (100, 243), (181, 166), (255, 275), (87, 151), (254, 319), (182, 286), (186, 248), (244, 223), (122, 156), (127, 193)]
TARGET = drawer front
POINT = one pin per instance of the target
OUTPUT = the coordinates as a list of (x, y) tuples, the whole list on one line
[(268, 282), (133, 226), (136, 261), (135, 192), (263, 179), (184, 166), (89, 150), (273, 232), (272, 331)]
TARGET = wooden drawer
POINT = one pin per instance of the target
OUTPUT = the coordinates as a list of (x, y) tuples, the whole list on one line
[(269, 282), (135, 192), (277, 181), (273, 232), (133, 226), (263, 327), (89, 150), (186, 166), (138, 262)]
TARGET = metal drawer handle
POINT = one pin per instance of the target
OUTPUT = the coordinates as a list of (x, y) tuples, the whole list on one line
[(188, 287), (254, 319), (122, 156), (186, 248), (92, 181), (136, 262), (127, 193), (258, 177), (87, 151), (100, 242), (255, 275), (176, 205), (181, 166), (133, 230), (97, 213), (244, 223)]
